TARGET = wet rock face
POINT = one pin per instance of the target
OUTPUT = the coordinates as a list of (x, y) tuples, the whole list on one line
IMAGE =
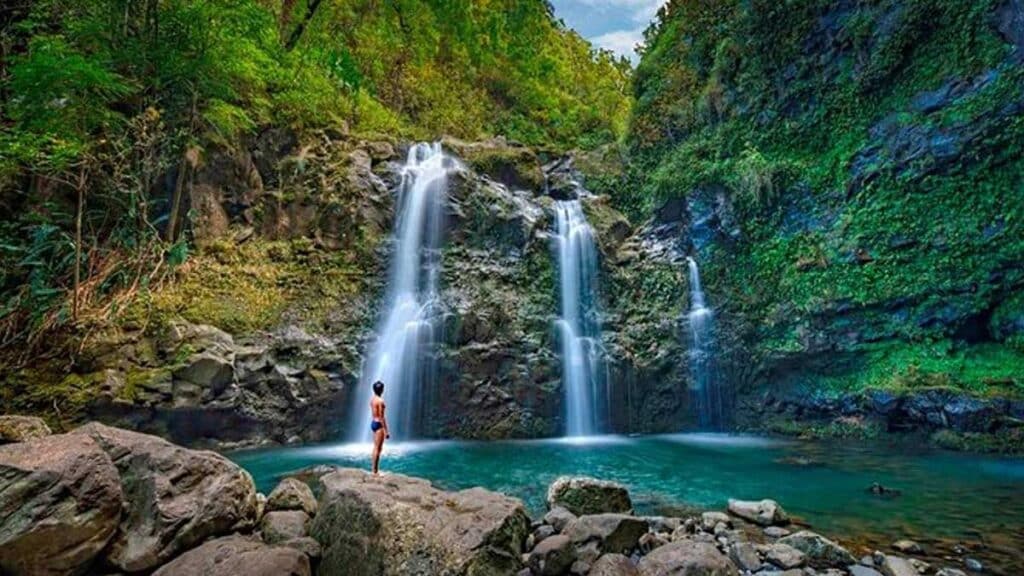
[(60, 503), (227, 393), (395, 524)]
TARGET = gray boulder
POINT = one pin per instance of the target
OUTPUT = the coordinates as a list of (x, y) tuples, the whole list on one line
[(907, 547), (686, 558), (553, 556), (615, 533), (708, 520), (174, 497), (858, 570), (559, 518), (613, 565), (208, 371), (821, 552), (744, 555), (395, 524), (581, 496), (785, 556), (761, 512), (22, 428), (237, 556), (60, 502), (292, 494), (896, 566), (283, 525)]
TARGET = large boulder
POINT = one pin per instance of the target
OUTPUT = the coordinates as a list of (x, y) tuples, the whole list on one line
[(821, 552), (686, 558), (559, 518), (174, 497), (761, 512), (281, 526), (235, 556), (396, 524), (60, 502), (613, 565), (581, 495), (616, 533), (292, 494), (22, 428)]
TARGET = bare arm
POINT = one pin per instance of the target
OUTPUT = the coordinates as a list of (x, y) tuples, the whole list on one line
[(384, 419)]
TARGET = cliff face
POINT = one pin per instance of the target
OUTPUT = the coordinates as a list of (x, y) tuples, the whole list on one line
[(850, 176), (262, 333)]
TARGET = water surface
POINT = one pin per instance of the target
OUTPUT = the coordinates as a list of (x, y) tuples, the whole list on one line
[(977, 500)]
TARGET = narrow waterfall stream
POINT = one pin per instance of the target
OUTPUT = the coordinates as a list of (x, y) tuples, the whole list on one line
[(583, 366), (406, 332), (706, 389)]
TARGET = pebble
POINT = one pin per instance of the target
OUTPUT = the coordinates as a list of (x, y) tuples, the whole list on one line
[(973, 565)]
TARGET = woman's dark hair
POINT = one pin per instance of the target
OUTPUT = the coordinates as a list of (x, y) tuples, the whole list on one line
[(378, 387)]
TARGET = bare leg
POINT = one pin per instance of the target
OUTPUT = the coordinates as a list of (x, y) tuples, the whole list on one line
[(378, 445)]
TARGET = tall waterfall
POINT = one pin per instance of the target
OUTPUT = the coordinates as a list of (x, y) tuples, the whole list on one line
[(583, 367), (706, 390), (401, 356)]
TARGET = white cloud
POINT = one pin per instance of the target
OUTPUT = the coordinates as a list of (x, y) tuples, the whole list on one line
[(621, 42), (641, 11)]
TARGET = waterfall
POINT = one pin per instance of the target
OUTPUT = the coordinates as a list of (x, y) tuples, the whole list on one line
[(706, 391), (400, 357), (583, 367)]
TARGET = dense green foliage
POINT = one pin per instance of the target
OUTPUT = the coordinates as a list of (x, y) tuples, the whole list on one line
[(107, 107), (872, 154)]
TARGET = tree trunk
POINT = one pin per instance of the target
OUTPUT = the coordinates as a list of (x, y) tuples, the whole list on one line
[(171, 234), (78, 244)]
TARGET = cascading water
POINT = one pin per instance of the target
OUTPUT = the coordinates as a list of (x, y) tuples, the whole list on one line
[(401, 356), (583, 366), (707, 393)]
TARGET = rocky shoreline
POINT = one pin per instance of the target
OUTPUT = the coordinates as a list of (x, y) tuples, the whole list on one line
[(101, 500)]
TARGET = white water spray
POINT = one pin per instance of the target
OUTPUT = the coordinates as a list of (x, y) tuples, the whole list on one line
[(583, 366), (707, 393), (401, 356)]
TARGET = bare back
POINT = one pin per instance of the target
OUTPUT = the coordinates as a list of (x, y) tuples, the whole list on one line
[(377, 408)]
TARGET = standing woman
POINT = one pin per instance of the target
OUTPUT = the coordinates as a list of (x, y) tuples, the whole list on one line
[(378, 424)]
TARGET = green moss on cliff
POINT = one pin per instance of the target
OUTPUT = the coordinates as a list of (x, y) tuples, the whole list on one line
[(253, 286), (872, 154)]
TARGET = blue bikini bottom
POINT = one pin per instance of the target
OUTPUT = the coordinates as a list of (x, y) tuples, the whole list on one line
[(375, 425)]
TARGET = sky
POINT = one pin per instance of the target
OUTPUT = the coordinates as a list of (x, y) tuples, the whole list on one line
[(617, 25)]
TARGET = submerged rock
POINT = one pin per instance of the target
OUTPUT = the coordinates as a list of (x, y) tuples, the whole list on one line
[(60, 502), (22, 428), (763, 512), (235, 556), (396, 524), (581, 495), (686, 558), (174, 497)]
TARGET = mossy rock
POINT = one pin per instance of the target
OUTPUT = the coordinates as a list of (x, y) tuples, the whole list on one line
[(511, 164)]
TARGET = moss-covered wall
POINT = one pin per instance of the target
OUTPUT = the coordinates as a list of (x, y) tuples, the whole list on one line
[(873, 153)]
